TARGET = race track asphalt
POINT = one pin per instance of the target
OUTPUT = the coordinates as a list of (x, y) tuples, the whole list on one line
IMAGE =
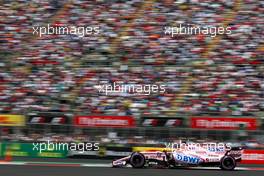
[(48, 169)]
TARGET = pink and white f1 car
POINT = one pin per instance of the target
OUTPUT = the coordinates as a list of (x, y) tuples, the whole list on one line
[(225, 158)]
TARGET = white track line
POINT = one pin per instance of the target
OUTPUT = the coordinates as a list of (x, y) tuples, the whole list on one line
[(12, 163), (55, 163), (96, 165)]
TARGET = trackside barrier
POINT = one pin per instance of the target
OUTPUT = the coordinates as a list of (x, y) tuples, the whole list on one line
[(253, 157), (149, 149), (9, 150)]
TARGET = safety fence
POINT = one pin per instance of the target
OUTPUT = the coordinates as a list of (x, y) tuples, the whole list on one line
[(17, 149)]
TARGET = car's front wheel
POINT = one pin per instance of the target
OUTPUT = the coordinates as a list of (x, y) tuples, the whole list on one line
[(137, 160), (228, 163)]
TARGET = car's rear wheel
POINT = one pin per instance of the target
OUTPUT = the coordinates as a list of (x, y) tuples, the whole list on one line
[(228, 163), (137, 160)]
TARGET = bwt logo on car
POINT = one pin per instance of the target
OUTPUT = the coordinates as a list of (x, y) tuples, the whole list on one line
[(188, 159), (216, 149)]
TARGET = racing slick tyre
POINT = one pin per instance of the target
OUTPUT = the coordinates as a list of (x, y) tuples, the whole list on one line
[(137, 160), (228, 163)]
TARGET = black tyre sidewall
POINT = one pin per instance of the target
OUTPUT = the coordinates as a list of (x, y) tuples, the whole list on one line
[(222, 166), (142, 162)]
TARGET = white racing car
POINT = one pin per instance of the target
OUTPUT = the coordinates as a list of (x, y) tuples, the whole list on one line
[(225, 158)]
